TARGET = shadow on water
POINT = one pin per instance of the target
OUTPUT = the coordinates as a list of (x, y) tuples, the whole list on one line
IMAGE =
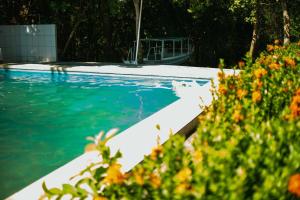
[(6, 69), (58, 69)]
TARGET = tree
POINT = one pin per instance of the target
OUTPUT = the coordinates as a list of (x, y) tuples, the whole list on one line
[(286, 23), (251, 11), (255, 22)]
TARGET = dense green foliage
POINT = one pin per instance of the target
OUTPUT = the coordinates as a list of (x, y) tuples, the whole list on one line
[(246, 145), (102, 30)]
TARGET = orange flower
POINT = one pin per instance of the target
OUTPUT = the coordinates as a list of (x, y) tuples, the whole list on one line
[(222, 89), (221, 75), (270, 47), (184, 174), (274, 66), (155, 180), (297, 92), (256, 96), (241, 64), (182, 188), (289, 62), (295, 106), (267, 60), (114, 175), (294, 185), (237, 116), (139, 179), (260, 72), (241, 93), (138, 175), (156, 152), (259, 84)]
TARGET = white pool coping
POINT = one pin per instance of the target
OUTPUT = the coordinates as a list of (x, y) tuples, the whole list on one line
[(147, 70), (138, 140)]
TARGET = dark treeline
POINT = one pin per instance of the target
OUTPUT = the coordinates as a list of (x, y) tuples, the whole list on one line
[(103, 30)]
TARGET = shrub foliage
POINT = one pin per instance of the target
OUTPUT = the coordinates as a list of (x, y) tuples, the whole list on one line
[(247, 145)]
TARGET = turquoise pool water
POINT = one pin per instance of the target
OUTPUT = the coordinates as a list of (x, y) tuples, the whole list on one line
[(45, 117)]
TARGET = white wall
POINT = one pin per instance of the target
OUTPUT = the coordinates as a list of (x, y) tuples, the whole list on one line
[(28, 43)]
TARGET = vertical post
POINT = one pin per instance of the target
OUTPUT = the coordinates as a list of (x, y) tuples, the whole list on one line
[(138, 34), (162, 49), (155, 50), (173, 47), (181, 46), (188, 45)]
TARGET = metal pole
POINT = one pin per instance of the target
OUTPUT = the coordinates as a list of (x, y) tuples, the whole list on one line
[(173, 48), (181, 47), (188, 45), (138, 34), (162, 49)]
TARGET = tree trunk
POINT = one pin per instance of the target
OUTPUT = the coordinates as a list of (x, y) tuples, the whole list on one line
[(70, 37), (137, 14), (255, 32), (286, 23), (254, 40)]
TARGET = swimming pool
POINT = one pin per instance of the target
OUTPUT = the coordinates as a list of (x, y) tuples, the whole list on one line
[(45, 117)]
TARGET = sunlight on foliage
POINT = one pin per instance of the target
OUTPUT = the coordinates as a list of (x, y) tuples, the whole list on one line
[(246, 145)]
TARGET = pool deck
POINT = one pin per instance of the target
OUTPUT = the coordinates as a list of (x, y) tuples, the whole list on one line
[(138, 140), (121, 69)]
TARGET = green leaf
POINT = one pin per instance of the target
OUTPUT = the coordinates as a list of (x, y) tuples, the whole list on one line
[(45, 188), (89, 182), (52, 191), (69, 189), (81, 192), (55, 191), (99, 172)]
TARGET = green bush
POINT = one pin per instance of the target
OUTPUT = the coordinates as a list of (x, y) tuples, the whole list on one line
[(247, 144)]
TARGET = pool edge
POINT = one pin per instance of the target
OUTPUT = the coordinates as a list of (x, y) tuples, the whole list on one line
[(144, 134)]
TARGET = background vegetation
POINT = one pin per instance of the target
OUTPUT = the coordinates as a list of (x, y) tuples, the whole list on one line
[(102, 30)]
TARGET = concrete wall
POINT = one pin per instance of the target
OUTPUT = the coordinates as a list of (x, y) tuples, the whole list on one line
[(28, 43)]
